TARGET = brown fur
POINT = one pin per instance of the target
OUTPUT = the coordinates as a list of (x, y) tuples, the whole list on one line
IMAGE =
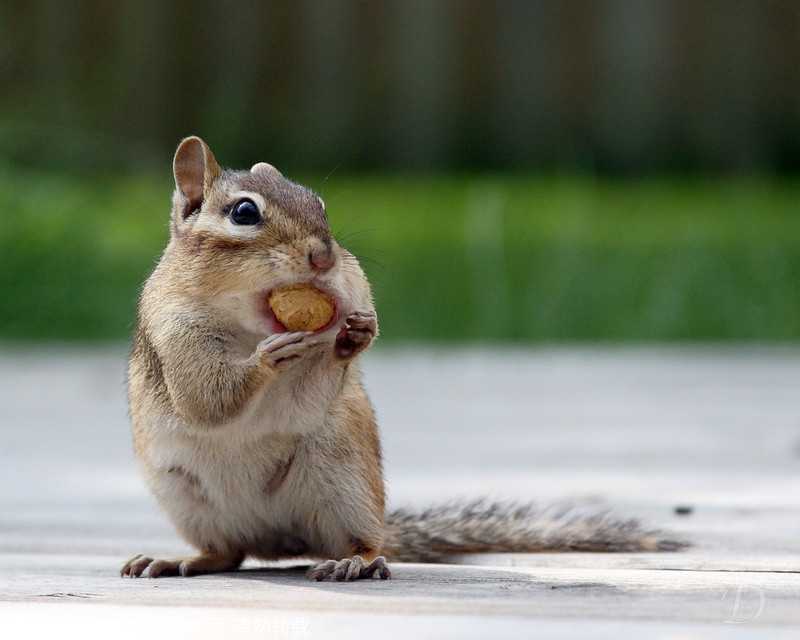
[(254, 443), (263, 443)]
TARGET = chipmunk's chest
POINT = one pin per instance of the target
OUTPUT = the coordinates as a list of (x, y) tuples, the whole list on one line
[(233, 473), (297, 403), (247, 459)]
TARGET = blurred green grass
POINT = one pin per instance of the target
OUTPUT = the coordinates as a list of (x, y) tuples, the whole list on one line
[(451, 257)]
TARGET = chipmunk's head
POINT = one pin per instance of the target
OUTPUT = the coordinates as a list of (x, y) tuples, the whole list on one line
[(243, 234)]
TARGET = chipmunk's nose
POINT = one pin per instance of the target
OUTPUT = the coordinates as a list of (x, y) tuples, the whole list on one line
[(321, 257)]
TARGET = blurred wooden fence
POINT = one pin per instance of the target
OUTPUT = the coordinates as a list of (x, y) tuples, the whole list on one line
[(615, 85)]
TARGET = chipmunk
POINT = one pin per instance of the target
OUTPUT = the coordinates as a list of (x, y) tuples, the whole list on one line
[(261, 442)]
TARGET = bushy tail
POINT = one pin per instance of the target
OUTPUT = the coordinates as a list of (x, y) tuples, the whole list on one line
[(481, 526)]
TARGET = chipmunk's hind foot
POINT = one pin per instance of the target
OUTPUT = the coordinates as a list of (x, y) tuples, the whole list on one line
[(350, 569), (208, 562)]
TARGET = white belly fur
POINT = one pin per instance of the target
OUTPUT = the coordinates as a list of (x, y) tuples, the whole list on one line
[(213, 484)]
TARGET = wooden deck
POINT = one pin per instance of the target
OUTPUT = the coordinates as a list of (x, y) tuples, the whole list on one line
[(643, 431)]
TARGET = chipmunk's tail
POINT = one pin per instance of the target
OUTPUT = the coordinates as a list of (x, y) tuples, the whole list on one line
[(482, 526)]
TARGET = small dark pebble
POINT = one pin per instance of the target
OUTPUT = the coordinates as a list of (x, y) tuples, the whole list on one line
[(683, 510)]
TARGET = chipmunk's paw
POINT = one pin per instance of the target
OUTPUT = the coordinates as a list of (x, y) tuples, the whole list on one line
[(360, 328), (279, 350), (350, 569), (136, 566), (209, 562)]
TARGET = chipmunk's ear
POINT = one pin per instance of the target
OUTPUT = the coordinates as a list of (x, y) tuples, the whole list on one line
[(266, 169), (195, 171)]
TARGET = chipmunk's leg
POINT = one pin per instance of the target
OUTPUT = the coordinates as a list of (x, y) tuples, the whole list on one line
[(210, 561), (360, 329)]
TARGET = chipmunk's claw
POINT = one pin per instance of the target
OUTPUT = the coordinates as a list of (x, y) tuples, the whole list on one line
[(350, 569)]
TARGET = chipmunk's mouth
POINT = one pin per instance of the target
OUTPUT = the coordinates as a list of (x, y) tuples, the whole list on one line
[(273, 324), (288, 313)]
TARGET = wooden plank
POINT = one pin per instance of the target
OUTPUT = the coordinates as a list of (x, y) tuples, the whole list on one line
[(639, 431)]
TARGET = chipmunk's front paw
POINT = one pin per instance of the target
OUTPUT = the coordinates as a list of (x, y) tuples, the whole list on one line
[(280, 350), (358, 332), (350, 569)]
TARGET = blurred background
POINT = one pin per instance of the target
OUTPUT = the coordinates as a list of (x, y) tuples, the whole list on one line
[(526, 170)]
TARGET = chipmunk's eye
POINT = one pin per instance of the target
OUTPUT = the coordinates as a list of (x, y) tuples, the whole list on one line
[(245, 212)]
